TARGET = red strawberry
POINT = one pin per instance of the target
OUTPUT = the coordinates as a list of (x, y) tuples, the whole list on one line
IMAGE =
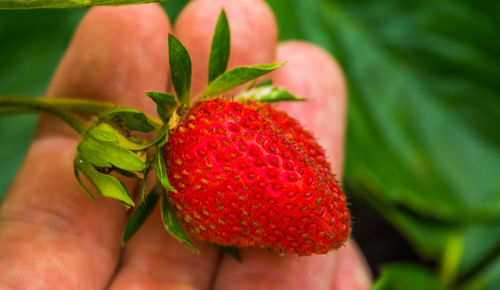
[(294, 130), (249, 175)]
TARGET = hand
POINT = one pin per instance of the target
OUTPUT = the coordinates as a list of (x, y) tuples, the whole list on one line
[(52, 236)]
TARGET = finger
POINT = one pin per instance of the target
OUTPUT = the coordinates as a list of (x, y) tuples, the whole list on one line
[(52, 236), (352, 272), (309, 72), (178, 268), (253, 34), (153, 259)]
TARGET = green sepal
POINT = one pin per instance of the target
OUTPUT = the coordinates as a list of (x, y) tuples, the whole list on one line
[(180, 69), (238, 76), (107, 154), (76, 171), (234, 252), (106, 133), (161, 171), (161, 136), (172, 225), (264, 83), (267, 94), (140, 215), (254, 84), (165, 104), (105, 184), (142, 183), (129, 119), (221, 47)]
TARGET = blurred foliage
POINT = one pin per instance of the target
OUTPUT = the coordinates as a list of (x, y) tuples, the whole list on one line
[(407, 276), (423, 140)]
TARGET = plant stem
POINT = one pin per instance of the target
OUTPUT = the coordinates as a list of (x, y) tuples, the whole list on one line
[(35, 4), (22, 105), (80, 106)]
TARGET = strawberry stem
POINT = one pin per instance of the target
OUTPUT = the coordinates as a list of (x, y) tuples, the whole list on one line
[(64, 108), (11, 105)]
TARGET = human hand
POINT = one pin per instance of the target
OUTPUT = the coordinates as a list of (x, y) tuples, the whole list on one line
[(52, 236)]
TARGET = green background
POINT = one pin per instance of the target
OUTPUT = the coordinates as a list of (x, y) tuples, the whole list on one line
[(423, 141)]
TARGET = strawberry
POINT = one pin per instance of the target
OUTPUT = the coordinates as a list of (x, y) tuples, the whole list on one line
[(249, 175), (294, 130)]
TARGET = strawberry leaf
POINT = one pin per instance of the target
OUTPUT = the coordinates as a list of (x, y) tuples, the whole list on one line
[(140, 215), (220, 50), (180, 69), (172, 225), (165, 104), (128, 118), (232, 251), (268, 94), (238, 76), (161, 171), (105, 184), (105, 154)]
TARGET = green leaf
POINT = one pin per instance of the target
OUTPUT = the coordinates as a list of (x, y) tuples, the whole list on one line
[(220, 50), (140, 215), (161, 171), (173, 226), (128, 118), (407, 276), (267, 94), (480, 263), (180, 69), (234, 252), (105, 154), (165, 104), (238, 76), (486, 277), (105, 184)]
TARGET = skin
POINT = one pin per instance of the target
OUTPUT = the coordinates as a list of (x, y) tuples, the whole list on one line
[(52, 236)]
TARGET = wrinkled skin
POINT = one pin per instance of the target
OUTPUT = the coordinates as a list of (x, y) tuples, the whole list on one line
[(52, 236)]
